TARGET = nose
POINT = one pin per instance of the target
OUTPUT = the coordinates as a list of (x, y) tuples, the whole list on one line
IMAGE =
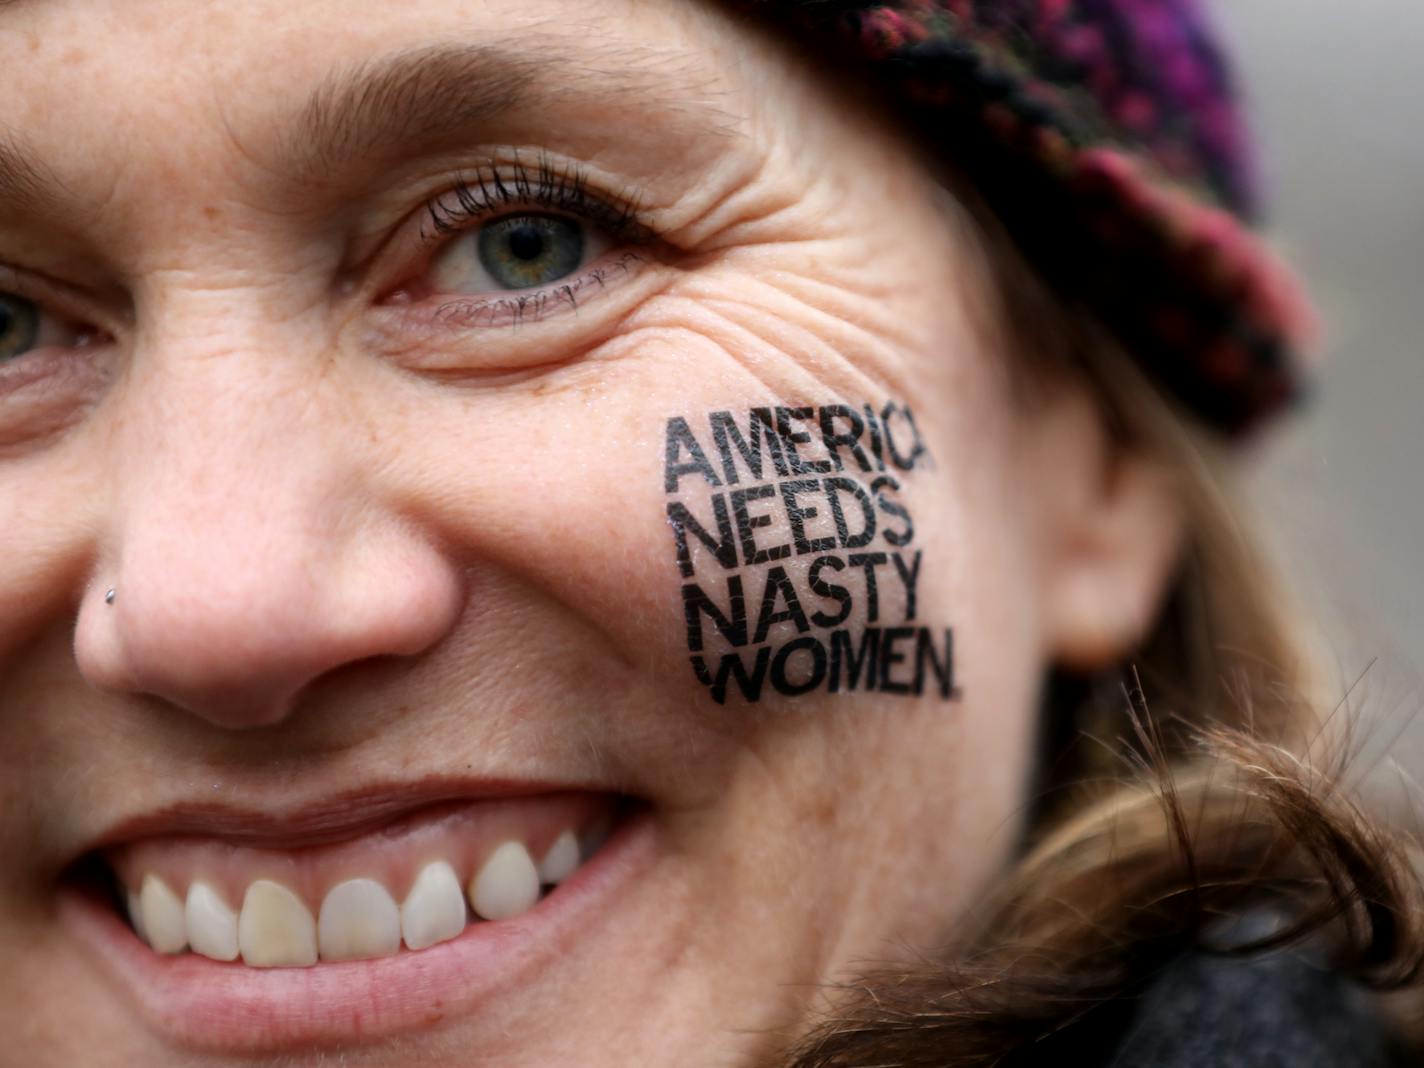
[(254, 548)]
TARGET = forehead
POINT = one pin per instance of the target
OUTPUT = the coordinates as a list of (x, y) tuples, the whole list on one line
[(231, 48), (289, 87)]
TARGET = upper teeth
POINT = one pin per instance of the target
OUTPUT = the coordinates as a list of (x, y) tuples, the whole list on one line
[(358, 918), (434, 910), (561, 859), (212, 926), (507, 884)]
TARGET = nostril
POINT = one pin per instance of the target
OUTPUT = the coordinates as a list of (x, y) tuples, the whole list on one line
[(238, 647), (227, 682), (234, 709)]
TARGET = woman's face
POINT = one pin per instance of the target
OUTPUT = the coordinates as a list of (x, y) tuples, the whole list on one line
[(504, 428)]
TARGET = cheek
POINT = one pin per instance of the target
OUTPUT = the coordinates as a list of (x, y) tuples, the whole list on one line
[(749, 545), (797, 552), (849, 586), (50, 505), (719, 529)]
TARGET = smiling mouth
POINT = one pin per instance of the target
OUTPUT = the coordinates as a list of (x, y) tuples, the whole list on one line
[(243, 932), (402, 888)]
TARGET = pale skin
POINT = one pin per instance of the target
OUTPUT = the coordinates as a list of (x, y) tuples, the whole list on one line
[(352, 541)]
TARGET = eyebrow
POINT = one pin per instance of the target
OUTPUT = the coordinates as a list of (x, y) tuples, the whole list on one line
[(419, 94), (24, 187)]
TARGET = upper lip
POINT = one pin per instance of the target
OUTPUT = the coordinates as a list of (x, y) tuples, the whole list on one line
[(332, 818)]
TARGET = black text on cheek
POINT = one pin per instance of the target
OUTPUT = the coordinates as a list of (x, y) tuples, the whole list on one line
[(795, 515)]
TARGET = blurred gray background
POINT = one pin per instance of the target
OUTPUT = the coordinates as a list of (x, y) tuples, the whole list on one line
[(1336, 93)]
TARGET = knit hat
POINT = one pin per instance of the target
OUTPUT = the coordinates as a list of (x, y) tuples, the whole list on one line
[(1106, 136)]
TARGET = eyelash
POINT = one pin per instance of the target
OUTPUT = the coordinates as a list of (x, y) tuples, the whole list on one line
[(492, 189), (499, 190), (558, 186), (55, 303)]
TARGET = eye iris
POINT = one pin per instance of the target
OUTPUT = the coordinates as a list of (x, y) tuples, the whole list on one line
[(530, 250), (19, 325)]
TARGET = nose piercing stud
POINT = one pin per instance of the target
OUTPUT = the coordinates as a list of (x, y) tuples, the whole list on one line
[(109, 595)]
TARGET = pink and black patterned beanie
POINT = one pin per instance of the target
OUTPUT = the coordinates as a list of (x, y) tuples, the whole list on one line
[(1106, 136)]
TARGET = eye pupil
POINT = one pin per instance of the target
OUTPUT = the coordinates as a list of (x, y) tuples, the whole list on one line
[(526, 243)]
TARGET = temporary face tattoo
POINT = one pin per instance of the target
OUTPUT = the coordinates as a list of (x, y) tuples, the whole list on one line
[(797, 553)]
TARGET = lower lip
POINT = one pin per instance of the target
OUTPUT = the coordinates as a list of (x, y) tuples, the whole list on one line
[(216, 1007)]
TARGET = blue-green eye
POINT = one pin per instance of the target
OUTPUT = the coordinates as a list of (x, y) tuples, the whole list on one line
[(19, 326), (517, 252), (530, 250)]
